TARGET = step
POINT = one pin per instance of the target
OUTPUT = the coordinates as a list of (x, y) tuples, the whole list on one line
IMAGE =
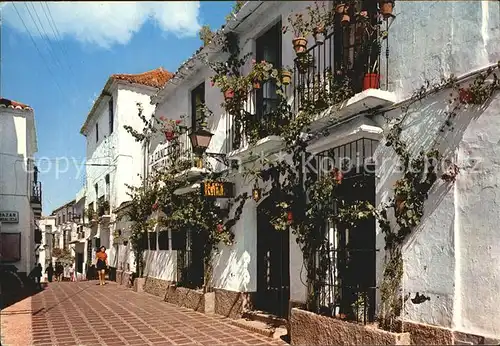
[(264, 317), (261, 328)]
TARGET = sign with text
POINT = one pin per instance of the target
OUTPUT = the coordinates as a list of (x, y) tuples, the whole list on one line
[(217, 189), (9, 216)]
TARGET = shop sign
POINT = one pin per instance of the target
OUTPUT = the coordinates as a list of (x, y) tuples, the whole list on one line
[(217, 189), (9, 216)]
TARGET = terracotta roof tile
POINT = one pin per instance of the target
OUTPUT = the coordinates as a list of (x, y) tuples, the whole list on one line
[(154, 78), (13, 104)]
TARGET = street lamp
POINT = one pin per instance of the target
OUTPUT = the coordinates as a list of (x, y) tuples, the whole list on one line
[(200, 140)]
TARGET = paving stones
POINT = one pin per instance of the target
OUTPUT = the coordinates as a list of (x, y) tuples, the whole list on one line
[(81, 313)]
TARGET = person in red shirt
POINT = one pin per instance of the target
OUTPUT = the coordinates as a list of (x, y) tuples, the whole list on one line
[(102, 264)]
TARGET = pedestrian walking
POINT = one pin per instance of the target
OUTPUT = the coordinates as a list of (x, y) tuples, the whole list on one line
[(36, 275), (102, 264), (59, 271), (50, 272)]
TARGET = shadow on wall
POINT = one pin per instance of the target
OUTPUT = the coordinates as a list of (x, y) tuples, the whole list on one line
[(231, 270)]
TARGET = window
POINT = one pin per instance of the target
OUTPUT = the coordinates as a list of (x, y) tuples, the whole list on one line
[(10, 247), (106, 179), (111, 116), (268, 48), (64, 218), (163, 240), (58, 219), (96, 132), (152, 240), (178, 240), (197, 100)]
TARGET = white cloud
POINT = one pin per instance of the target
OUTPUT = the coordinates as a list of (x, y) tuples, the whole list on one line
[(106, 23)]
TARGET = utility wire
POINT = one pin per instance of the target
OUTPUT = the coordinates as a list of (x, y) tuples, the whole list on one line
[(38, 50), (58, 37)]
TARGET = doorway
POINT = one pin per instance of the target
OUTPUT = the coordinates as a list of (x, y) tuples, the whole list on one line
[(273, 264)]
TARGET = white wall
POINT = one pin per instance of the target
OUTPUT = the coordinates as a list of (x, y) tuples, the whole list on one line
[(17, 145), (161, 264)]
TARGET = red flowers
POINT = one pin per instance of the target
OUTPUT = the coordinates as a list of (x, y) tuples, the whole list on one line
[(156, 205), (169, 135), (289, 217), (465, 96), (338, 175), (220, 228)]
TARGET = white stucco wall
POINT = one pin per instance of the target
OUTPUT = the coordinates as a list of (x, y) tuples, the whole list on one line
[(161, 264), (17, 145)]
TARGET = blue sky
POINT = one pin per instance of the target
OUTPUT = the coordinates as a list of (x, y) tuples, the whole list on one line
[(97, 41)]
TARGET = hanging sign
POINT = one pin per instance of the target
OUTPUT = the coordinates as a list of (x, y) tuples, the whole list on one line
[(217, 189), (9, 216)]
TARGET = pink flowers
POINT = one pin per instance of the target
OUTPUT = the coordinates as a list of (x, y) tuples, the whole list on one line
[(338, 175), (156, 205), (220, 228), (289, 217)]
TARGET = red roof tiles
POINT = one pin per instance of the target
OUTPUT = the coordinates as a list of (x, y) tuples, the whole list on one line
[(13, 104), (154, 78)]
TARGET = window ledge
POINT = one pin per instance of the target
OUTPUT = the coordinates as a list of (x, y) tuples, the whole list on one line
[(361, 102), (192, 173), (263, 147)]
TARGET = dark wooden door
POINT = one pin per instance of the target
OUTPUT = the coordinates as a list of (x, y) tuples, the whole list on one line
[(273, 265)]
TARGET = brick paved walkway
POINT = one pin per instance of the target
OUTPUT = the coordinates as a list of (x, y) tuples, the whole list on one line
[(83, 313)]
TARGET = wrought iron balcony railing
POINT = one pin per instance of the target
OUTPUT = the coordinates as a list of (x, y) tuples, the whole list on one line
[(346, 63), (36, 192)]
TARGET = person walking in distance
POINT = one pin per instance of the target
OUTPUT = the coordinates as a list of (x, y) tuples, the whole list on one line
[(102, 264), (50, 272)]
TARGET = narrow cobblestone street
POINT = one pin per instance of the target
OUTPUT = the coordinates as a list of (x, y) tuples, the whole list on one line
[(86, 314)]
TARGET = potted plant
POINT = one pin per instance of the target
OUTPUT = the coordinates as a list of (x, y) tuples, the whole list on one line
[(386, 7), (286, 76), (304, 62), (319, 19), (301, 30), (169, 127), (260, 72)]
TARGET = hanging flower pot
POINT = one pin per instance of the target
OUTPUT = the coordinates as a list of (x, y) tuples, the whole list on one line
[(386, 7), (346, 19), (256, 84), (299, 45), (319, 35), (286, 77), (340, 8), (229, 94), (371, 81)]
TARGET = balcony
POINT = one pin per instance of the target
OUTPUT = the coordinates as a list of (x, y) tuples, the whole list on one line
[(263, 119), (36, 199), (103, 209), (341, 76)]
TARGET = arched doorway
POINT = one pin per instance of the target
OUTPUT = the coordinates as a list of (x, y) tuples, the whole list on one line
[(273, 263)]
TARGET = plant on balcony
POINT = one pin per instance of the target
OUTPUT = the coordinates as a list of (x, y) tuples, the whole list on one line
[(103, 207), (261, 72), (320, 20), (206, 35), (301, 29), (90, 213), (171, 128)]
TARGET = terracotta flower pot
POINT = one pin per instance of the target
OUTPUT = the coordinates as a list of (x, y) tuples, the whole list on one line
[(256, 85), (371, 81), (386, 8), (299, 45), (319, 35), (286, 77), (346, 19), (229, 94), (340, 8)]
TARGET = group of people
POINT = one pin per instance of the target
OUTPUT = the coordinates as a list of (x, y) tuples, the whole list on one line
[(68, 271)]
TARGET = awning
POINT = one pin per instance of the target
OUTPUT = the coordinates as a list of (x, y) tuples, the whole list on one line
[(183, 190)]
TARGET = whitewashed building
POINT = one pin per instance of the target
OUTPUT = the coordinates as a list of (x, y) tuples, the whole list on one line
[(450, 275), (20, 189), (49, 231), (114, 158)]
